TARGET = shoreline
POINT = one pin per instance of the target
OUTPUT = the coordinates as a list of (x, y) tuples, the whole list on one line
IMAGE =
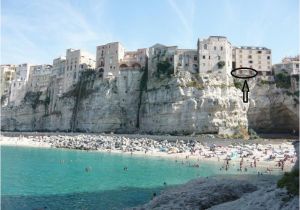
[(205, 155)]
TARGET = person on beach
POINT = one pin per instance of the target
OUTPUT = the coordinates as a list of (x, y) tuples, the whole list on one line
[(154, 195), (254, 162)]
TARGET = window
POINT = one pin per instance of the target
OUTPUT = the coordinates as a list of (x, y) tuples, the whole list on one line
[(250, 61), (219, 57), (203, 56), (259, 51), (250, 56), (195, 58), (215, 48), (205, 46), (221, 48), (268, 57), (297, 65)]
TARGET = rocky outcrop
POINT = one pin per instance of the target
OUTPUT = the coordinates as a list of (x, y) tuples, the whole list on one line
[(273, 109), (238, 192)]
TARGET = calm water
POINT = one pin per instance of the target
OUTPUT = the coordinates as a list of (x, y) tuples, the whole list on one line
[(34, 178)]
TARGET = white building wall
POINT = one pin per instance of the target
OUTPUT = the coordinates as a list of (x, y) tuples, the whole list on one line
[(186, 60), (213, 50), (39, 78), (73, 66), (19, 84), (108, 58)]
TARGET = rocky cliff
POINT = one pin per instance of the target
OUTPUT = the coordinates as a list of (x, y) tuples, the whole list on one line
[(182, 104), (273, 109)]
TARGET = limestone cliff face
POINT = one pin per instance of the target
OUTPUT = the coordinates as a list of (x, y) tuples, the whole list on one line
[(189, 104), (273, 109), (182, 104)]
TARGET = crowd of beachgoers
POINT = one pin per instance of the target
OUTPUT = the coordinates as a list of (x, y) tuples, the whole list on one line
[(280, 155)]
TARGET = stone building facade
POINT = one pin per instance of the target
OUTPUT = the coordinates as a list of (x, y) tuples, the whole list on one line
[(76, 62), (160, 53), (112, 57), (39, 78), (186, 60), (108, 57), (18, 85), (215, 54)]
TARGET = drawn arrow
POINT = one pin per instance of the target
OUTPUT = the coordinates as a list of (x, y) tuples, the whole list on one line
[(245, 91)]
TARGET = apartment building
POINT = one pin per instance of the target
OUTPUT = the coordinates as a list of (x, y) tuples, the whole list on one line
[(39, 78), (258, 58)]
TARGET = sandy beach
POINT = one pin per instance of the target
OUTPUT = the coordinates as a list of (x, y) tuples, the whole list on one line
[(264, 154)]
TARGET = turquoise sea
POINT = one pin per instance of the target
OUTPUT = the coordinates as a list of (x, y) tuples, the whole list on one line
[(38, 178)]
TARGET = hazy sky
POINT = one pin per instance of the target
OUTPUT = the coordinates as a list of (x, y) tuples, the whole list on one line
[(37, 31)]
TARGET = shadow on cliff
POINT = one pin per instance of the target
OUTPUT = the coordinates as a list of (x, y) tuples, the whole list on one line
[(108, 199)]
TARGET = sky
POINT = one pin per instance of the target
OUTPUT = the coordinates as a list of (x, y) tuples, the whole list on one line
[(37, 31)]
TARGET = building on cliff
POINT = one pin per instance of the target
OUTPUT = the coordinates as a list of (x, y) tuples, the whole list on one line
[(215, 53), (18, 86), (112, 57), (39, 77), (258, 58), (289, 65), (76, 62), (8, 73)]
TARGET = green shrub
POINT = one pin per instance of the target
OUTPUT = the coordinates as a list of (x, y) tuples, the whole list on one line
[(238, 85), (221, 64), (290, 180), (283, 80), (164, 67)]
